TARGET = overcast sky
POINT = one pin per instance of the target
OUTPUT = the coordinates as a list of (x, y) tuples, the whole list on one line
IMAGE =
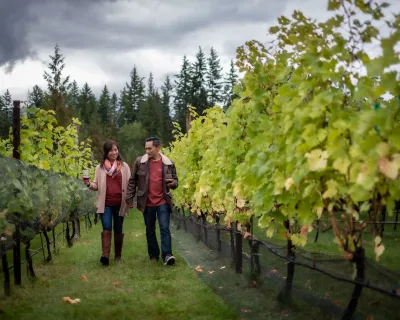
[(103, 39)]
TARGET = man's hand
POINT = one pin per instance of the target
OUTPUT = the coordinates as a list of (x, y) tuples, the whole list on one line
[(130, 204), (170, 182)]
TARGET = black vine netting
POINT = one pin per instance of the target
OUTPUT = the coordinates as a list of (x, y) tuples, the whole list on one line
[(38, 200), (319, 291)]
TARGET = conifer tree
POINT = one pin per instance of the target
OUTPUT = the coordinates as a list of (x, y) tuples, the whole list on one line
[(58, 88), (214, 84)]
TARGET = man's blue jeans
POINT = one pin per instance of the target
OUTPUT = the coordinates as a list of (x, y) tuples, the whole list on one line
[(151, 214), (107, 218)]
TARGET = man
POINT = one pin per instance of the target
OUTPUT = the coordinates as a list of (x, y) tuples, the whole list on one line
[(152, 177)]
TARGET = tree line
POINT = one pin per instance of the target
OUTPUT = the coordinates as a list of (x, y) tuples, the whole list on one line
[(140, 109)]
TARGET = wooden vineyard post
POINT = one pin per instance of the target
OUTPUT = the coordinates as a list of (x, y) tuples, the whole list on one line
[(16, 130), (239, 249), (4, 262)]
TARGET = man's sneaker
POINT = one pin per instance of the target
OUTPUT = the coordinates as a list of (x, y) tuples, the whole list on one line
[(169, 260)]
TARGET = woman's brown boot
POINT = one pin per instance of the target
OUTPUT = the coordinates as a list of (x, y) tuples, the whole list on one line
[(105, 245), (118, 243)]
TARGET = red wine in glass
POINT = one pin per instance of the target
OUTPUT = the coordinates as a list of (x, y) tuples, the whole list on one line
[(86, 176)]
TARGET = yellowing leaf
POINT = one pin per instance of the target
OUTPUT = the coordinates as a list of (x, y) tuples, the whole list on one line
[(317, 159), (71, 301), (342, 165), (44, 165), (198, 269), (318, 210), (299, 240), (379, 247), (240, 203), (332, 189), (305, 229), (365, 207), (322, 134), (247, 235), (388, 168), (270, 232), (288, 183), (245, 310), (383, 149)]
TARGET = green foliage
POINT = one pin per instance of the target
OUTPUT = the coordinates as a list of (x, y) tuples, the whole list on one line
[(166, 127), (183, 93), (149, 110), (214, 78), (230, 83), (132, 96), (199, 92), (58, 88), (87, 107), (5, 114), (303, 140), (36, 97), (42, 189), (131, 139)]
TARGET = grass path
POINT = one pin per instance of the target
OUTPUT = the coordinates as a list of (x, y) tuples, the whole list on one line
[(132, 289)]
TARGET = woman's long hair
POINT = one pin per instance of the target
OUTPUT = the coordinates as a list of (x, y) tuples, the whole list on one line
[(106, 148)]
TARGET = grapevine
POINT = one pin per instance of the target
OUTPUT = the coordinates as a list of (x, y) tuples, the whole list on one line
[(305, 139)]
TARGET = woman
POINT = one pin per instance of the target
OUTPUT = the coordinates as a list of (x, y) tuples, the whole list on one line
[(111, 179)]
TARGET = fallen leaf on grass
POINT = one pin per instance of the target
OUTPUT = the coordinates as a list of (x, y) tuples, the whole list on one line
[(172, 235), (211, 272), (247, 235), (245, 310), (349, 256), (116, 284), (337, 302), (71, 301), (84, 277), (223, 267), (187, 251), (375, 303), (198, 269)]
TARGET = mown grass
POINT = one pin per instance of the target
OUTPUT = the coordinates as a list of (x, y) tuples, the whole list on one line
[(132, 289), (316, 295)]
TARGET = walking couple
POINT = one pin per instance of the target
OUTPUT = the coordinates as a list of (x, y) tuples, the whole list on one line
[(152, 178)]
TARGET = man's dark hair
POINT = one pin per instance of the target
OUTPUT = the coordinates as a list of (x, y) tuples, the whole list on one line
[(156, 141)]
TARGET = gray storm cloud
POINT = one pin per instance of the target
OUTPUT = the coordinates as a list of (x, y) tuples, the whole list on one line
[(115, 25), (16, 19)]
